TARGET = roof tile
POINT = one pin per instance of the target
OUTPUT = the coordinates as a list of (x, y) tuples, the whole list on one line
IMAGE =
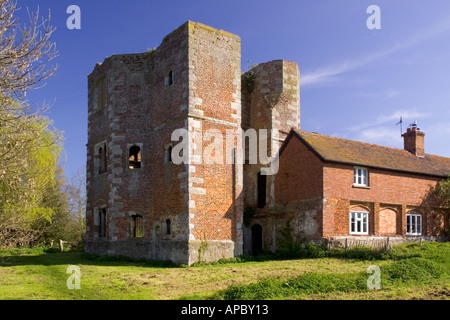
[(340, 150)]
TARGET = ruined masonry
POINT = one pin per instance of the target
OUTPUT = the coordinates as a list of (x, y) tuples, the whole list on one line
[(140, 203)]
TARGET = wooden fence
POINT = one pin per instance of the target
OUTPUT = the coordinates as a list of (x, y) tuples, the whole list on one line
[(373, 243)]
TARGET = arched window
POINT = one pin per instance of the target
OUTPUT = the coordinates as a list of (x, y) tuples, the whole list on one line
[(102, 223), (136, 226), (102, 165), (134, 160)]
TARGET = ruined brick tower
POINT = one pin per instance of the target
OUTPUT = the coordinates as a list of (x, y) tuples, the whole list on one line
[(140, 202)]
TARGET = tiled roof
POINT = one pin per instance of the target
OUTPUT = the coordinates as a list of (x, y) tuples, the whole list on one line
[(333, 149)]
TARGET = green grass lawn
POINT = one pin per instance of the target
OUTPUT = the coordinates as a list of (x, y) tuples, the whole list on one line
[(408, 272)]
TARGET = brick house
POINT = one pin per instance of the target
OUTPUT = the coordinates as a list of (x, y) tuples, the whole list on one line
[(336, 189), (142, 204)]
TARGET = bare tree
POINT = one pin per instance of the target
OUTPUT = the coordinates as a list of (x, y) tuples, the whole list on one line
[(25, 51), (75, 190)]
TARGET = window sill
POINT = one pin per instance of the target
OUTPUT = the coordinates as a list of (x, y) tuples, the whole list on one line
[(360, 186)]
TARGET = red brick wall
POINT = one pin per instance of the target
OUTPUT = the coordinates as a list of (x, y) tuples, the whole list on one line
[(384, 186), (299, 176), (202, 201), (273, 103), (435, 223), (214, 103), (388, 198), (387, 222), (141, 109), (298, 194), (414, 141), (168, 112)]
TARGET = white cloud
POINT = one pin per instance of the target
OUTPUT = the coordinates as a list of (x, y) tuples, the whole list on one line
[(326, 74), (329, 73), (393, 118), (380, 135), (383, 130), (383, 94), (405, 114), (390, 93), (436, 137)]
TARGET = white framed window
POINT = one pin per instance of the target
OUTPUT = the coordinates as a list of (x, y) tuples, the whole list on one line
[(413, 224), (361, 177), (359, 222)]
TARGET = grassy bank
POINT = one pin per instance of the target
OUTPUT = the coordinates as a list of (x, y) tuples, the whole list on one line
[(407, 272)]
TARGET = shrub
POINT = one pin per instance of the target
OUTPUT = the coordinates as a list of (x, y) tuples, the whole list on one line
[(19, 251), (289, 246), (323, 283), (262, 290), (414, 270), (308, 283), (311, 250), (358, 253), (248, 81)]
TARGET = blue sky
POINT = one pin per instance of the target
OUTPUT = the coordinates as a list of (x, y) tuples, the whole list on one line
[(355, 83)]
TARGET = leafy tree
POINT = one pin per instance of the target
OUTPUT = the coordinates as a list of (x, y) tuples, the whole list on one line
[(67, 202), (29, 154), (443, 192), (29, 146)]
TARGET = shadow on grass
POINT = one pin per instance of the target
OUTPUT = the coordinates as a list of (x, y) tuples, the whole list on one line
[(52, 256), (439, 251), (311, 251), (76, 257)]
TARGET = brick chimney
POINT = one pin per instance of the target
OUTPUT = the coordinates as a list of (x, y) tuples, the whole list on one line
[(413, 140)]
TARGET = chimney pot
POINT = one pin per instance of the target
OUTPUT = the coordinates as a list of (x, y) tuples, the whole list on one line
[(413, 140)]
